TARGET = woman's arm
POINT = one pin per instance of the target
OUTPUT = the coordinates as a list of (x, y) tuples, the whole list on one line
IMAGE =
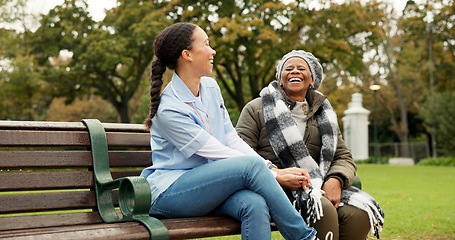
[(343, 166)]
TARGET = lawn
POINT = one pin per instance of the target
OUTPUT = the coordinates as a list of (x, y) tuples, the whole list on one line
[(418, 201)]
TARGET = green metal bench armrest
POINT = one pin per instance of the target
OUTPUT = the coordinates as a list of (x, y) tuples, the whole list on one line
[(357, 183), (134, 192)]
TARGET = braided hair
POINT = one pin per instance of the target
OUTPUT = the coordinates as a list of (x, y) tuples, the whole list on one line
[(168, 47)]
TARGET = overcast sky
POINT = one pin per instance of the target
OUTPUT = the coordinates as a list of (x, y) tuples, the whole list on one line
[(97, 7)]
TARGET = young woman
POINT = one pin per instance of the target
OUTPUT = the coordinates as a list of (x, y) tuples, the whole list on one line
[(200, 164)]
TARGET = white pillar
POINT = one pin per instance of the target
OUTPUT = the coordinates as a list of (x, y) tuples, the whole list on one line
[(355, 124)]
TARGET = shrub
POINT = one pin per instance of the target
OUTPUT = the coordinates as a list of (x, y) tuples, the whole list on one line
[(442, 161), (371, 160)]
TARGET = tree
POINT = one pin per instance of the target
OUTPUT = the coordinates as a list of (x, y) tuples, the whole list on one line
[(437, 115), (85, 108), (342, 36), (24, 93), (408, 69), (109, 58), (443, 44)]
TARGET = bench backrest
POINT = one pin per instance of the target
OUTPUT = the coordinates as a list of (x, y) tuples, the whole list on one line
[(46, 171)]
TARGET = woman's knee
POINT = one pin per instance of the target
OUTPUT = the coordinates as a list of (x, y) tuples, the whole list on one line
[(354, 223), (250, 205), (248, 164), (327, 226)]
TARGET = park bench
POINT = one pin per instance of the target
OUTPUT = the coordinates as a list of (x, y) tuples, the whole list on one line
[(79, 180)]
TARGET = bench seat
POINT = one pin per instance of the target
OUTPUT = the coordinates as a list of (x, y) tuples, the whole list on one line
[(47, 184)]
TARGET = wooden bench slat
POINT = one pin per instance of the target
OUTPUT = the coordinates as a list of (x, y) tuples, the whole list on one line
[(71, 126), (45, 159), (179, 228), (197, 227), (124, 173), (118, 231), (39, 125), (53, 220), (68, 159), (61, 138), (121, 127), (47, 201), (136, 158), (43, 138), (17, 181), (118, 139)]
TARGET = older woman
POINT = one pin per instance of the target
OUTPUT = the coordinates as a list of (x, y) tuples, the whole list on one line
[(295, 127)]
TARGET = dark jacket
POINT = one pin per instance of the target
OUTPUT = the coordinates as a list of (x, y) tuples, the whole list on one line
[(252, 130)]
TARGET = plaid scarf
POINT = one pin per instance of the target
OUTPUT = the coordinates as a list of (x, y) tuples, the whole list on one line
[(288, 145)]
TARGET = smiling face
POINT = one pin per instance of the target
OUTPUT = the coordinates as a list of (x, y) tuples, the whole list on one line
[(201, 53), (296, 78)]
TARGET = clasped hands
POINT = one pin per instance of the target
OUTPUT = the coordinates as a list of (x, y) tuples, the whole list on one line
[(295, 178)]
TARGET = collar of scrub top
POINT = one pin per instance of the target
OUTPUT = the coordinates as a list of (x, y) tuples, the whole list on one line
[(183, 93)]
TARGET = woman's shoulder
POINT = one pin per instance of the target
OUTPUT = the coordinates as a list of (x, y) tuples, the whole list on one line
[(255, 104), (315, 98)]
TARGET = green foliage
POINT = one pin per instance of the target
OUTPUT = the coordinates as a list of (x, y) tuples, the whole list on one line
[(140, 107), (437, 113), (90, 107), (109, 58), (341, 34), (443, 40), (441, 161), (24, 94), (372, 160), (249, 37), (64, 27)]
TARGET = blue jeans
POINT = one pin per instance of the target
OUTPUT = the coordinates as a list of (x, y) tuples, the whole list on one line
[(242, 188)]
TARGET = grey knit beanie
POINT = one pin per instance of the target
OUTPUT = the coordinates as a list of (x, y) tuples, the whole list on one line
[(313, 62)]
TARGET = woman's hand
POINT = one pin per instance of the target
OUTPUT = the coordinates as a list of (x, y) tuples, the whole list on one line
[(332, 189), (293, 178)]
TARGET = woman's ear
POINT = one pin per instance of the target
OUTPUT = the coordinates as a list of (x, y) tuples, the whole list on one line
[(187, 55)]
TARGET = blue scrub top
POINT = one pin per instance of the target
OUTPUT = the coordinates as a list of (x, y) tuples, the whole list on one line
[(181, 126)]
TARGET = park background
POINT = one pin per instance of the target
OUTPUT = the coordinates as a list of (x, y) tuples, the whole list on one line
[(66, 64)]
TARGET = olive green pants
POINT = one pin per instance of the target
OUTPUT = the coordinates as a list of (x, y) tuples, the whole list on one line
[(345, 223)]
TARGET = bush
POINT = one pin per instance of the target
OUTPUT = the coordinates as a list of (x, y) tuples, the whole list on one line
[(442, 161), (371, 160)]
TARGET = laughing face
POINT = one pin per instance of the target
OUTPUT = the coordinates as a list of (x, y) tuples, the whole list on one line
[(201, 53), (296, 78)]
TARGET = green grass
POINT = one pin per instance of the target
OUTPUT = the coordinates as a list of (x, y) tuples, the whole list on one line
[(418, 201)]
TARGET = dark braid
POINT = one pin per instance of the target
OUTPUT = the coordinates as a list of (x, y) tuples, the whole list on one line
[(168, 47), (155, 88)]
